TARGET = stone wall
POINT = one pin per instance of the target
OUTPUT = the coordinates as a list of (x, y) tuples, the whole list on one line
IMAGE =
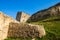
[(4, 25), (22, 17)]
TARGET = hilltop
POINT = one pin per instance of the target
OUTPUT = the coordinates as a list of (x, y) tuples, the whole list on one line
[(46, 13)]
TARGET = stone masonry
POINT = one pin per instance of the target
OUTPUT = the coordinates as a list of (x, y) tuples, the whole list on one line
[(4, 25), (22, 17)]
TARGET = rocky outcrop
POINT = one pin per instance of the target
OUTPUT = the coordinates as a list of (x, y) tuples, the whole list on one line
[(43, 14), (4, 25), (22, 17), (24, 30)]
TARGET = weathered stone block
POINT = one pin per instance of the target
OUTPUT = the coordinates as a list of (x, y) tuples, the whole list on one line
[(24, 30)]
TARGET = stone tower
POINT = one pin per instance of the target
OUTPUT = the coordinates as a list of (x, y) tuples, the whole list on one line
[(22, 17)]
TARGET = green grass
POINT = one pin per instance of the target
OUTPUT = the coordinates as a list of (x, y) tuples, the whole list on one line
[(52, 30), (18, 39)]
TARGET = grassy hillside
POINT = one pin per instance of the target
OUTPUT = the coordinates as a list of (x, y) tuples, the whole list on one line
[(55, 18), (52, 30), (52, 27)]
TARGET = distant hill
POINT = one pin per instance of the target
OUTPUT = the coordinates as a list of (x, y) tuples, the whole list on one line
[(47, 13)]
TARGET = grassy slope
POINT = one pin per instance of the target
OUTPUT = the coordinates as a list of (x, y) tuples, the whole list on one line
[(52, 18), (52, 29)]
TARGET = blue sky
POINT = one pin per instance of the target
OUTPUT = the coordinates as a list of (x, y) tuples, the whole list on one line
[(11, 7)]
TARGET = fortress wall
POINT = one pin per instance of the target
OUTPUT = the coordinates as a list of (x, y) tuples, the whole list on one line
[(4, 25)]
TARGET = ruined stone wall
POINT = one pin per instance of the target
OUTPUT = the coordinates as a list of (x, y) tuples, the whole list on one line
[(22, 17), (12, 28), (4, 25)]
